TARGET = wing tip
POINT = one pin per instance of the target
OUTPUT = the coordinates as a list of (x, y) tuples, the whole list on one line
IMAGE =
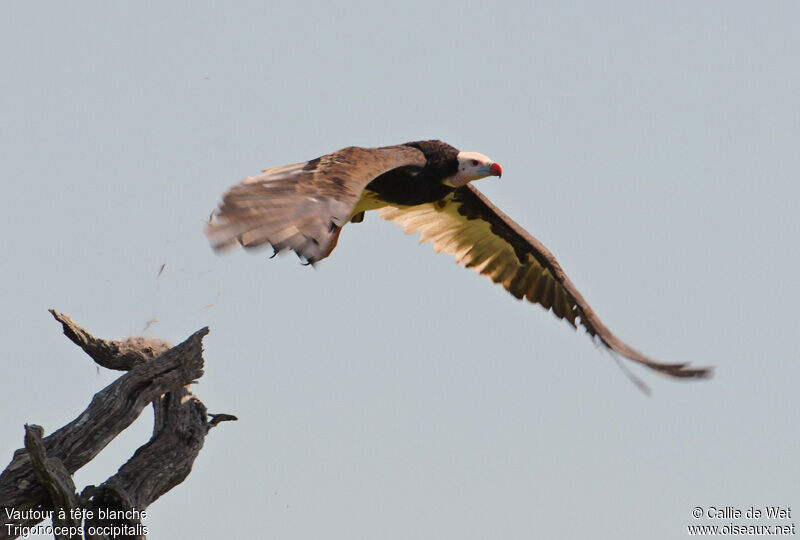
[(678, 370), (225, 243), (683, 371)]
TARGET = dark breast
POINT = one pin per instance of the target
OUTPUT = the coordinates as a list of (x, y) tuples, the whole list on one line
[(407, 187), (410, 186)]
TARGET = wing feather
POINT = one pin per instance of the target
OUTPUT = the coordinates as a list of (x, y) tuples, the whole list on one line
[(481, 237), (302, 206)]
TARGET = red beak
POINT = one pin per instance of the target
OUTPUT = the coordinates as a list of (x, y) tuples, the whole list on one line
[(496, 170)]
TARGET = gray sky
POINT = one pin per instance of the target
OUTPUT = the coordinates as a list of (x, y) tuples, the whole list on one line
[(390, 394)]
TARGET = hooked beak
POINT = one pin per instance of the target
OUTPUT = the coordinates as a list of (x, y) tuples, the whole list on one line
[(496, 170)]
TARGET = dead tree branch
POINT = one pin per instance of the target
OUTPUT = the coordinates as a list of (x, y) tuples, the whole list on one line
[(38, 479)]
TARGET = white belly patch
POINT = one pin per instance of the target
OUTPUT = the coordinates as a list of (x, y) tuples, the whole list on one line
[(368, 201)]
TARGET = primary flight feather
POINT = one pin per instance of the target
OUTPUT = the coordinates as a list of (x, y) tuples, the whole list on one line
[(422, 186)]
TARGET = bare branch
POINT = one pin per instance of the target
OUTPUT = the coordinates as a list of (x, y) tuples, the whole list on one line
[(121, 355), (58, 482), (39, 476), (220, 417)]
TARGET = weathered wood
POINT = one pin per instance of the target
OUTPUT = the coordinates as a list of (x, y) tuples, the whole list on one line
[(52, 474), (39, 476), (120, 355)]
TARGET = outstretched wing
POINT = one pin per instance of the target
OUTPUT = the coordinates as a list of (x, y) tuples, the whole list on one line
[(303, 206), (481, 237)]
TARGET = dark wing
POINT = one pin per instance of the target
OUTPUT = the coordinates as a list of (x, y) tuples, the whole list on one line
[(481, 237), (303, 206)]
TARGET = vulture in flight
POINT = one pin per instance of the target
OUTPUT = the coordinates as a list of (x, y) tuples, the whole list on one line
[(422, 186)]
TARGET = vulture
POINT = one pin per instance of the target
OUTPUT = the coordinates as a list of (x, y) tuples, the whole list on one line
[(423, 186)]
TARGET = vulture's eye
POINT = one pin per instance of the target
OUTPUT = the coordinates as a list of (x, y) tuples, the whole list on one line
[(474, 162)]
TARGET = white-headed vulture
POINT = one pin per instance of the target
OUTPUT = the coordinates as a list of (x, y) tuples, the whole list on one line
[(422, 186)]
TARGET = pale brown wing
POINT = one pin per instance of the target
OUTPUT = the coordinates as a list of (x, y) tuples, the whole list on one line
[(303, 206), (481, 237)]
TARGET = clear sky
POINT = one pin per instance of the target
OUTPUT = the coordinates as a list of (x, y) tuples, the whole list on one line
[(390, 394)]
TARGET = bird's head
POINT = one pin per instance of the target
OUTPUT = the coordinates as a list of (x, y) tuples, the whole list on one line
[(473, 166)]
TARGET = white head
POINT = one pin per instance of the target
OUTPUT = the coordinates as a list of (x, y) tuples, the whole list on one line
[(473, 166)]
